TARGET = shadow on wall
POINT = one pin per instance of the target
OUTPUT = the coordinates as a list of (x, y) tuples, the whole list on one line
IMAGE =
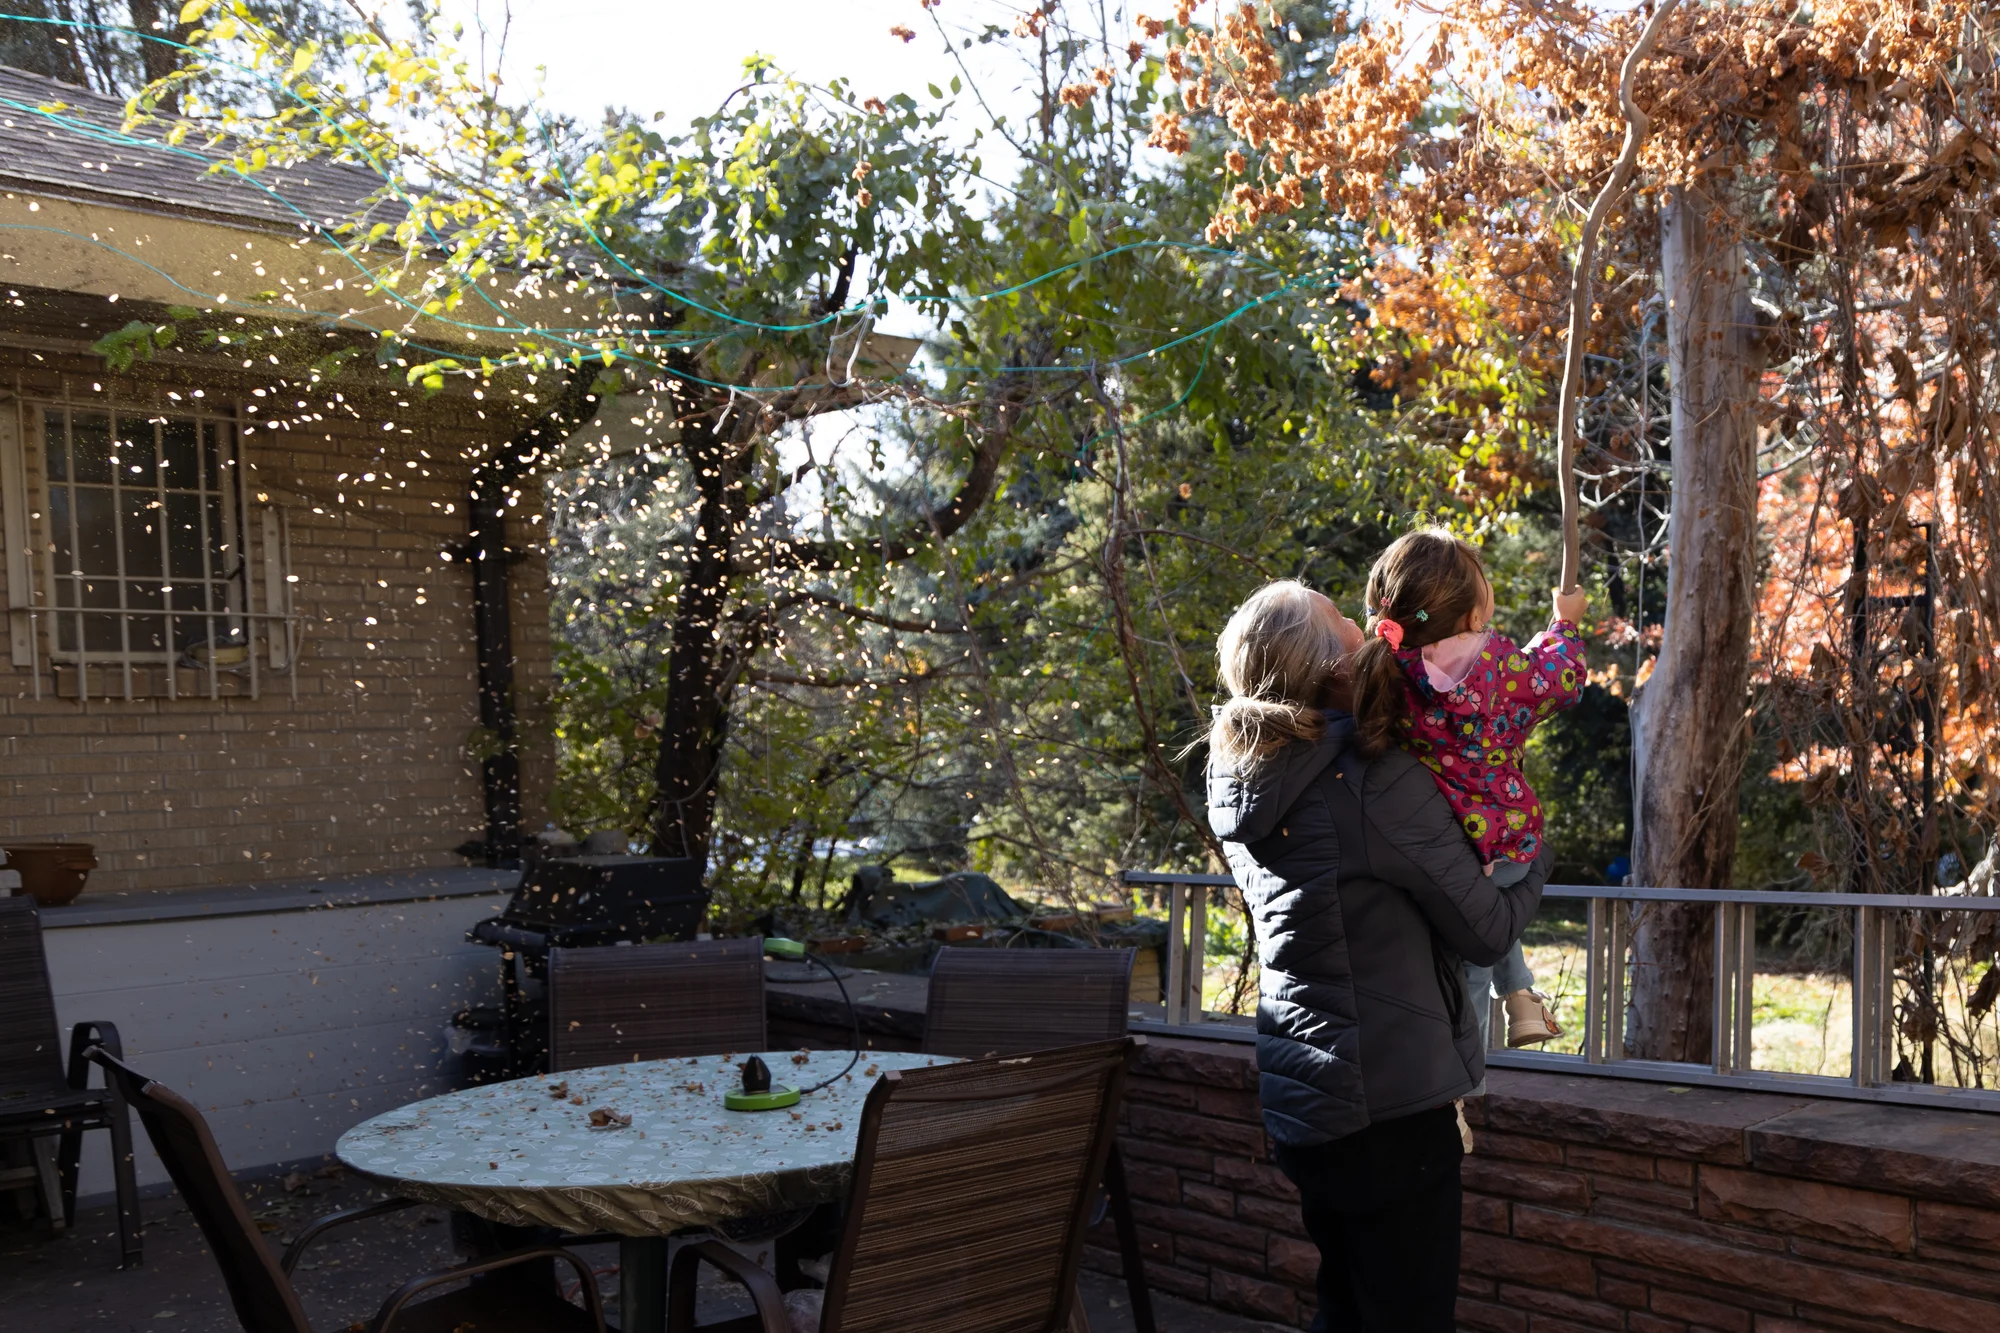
[(285, 1028)]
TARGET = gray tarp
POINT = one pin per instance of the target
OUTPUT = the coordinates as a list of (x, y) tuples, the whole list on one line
[(875, 899)]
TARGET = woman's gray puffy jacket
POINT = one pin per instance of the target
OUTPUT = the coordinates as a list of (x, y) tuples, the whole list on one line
[(1366, 894)]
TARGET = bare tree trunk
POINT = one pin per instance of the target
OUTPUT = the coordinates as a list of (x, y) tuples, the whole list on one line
[(1693, 721)]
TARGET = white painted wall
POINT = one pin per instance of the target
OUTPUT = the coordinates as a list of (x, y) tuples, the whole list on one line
[(285, 1029)]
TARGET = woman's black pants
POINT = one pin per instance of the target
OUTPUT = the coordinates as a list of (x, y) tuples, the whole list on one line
[(1382, 1204)]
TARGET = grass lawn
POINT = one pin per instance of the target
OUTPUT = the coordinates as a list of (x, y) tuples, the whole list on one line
[(1800, 1022)]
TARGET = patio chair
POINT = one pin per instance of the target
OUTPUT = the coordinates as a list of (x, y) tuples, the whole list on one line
[(972, 1188), (260, 1286), (619, 1003), (39, 1098), (1009, 1001)]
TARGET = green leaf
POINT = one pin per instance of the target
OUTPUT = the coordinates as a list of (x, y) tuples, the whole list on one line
[(935, 90), (1079, 230), (122, 347)]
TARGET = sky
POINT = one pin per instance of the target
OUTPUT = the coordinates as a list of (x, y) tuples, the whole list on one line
[(682, 57)]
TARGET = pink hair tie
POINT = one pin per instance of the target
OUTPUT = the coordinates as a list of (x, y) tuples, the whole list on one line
[(1386, 628)]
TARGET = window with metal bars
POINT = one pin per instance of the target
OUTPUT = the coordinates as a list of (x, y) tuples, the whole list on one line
[(145, 524)]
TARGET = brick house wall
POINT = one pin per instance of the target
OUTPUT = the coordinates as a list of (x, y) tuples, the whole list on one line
[(1600, 1204), (367, 769)]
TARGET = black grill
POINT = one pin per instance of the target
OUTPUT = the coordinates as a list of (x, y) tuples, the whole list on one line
[(576, 901), (567, 903)]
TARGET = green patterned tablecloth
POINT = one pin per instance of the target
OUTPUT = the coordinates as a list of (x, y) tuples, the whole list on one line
[(517, 1153)]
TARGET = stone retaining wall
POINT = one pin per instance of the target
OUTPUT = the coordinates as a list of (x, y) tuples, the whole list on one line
[(1590, 1203), (1601, 1204)]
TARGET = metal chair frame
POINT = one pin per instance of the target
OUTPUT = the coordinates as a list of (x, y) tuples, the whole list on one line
[(40, 1096), (260, 1287)]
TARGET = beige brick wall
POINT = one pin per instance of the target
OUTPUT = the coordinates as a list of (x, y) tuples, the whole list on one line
[(354, 762)]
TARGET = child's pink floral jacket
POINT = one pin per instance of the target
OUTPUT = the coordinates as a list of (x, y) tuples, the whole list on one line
[(1470, 736)]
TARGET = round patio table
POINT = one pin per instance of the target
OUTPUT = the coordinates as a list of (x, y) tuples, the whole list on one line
[(525, 1152)]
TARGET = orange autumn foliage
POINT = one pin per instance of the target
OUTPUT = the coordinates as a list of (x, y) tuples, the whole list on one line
[(1854, 146)]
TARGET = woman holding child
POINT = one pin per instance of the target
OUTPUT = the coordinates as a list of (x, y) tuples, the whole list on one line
[(1366, 784)]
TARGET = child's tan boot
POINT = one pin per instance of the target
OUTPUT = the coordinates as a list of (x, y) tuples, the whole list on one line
[(1529, 1020)]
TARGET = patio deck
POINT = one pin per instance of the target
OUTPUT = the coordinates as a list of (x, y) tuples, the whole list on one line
[(1592, 1203), (71, 1284)]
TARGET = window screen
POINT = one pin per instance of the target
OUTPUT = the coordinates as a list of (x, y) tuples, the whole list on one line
[(143, 519)]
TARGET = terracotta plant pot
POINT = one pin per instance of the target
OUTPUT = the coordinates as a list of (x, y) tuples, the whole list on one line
[(52, 873)]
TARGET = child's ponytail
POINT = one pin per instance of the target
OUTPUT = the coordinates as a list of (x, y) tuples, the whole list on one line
[(1379, 705), (1421, 591)]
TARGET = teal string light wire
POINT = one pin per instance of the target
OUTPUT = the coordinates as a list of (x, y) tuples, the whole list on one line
[(574, 348), (554, 334), (862, 307), (94, 133), (1200, 370), (1206, 331), (86, 130)]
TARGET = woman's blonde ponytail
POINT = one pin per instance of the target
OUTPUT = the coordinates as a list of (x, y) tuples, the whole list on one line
[(1277, 657)]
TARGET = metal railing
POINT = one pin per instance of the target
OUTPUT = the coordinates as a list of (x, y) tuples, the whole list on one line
[(1607, 973), (1187, 938)]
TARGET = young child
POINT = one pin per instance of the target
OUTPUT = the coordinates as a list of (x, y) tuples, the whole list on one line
[(1436, 679)]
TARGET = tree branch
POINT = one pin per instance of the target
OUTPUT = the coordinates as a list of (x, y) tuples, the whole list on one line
[(981, 479), (843, 280), (839, 682), (1637, 125), (790, 600)]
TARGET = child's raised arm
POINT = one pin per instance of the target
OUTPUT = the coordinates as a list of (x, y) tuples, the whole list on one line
[(1548, 674)]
